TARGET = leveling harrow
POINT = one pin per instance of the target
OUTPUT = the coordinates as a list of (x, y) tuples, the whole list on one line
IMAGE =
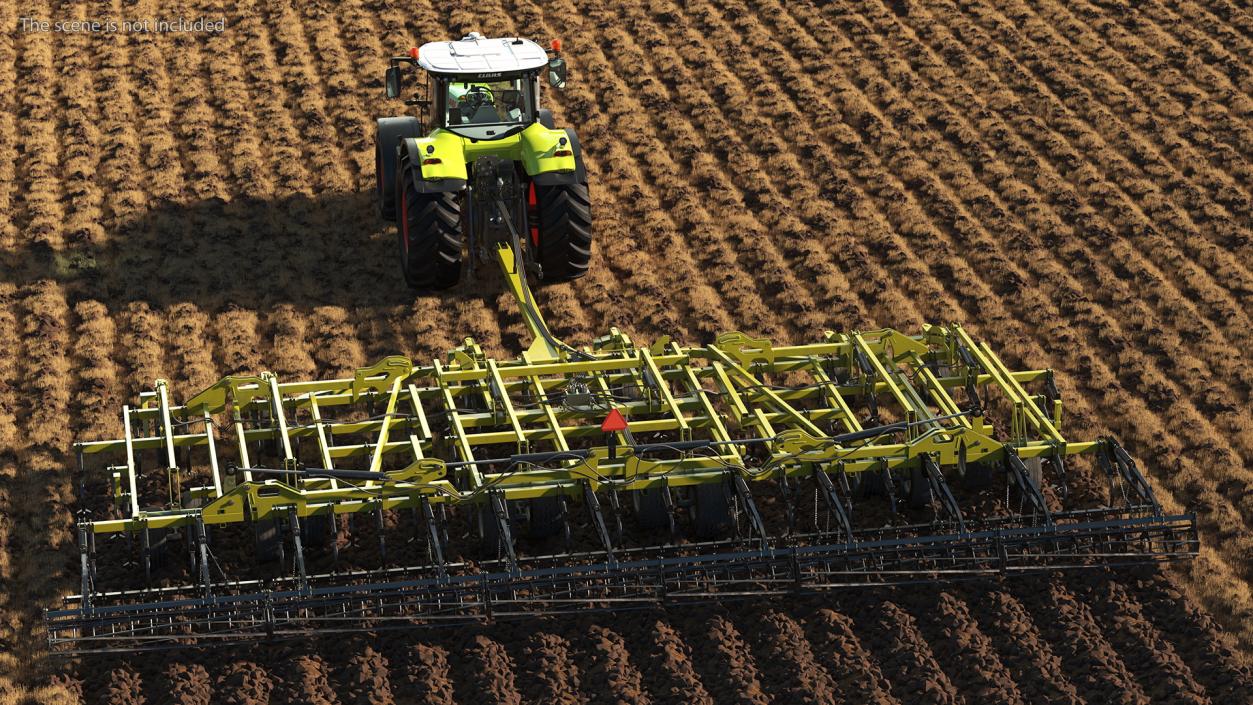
[(602, 478)]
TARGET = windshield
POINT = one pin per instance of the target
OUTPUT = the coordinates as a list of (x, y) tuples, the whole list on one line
[(487, 103)]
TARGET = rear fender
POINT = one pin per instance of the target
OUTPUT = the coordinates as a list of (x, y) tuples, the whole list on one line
[(437, 163), (538, 149)]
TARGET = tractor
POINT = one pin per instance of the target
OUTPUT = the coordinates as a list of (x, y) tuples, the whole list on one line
[(483, 152)]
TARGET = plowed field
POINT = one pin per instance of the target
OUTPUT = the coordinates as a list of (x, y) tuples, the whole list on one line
[(1071, 180)]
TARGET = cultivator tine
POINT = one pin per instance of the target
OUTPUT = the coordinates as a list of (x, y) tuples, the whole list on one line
[(85, 559), (1058, 461), (920, 494), (202, 545), (504, 537), (598, 521), (1022, 478), (888, 486), (750, 508), (615, 506), (788, 493), (940, 489), (835, 503), (147, 550), (1126, 468), (434, 543), (298, 555)]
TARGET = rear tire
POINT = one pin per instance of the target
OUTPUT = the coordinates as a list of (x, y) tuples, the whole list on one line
[(429, 228), (389, 131), (563, 230)]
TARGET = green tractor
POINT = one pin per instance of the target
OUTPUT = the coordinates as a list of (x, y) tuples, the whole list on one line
[(484, 163)]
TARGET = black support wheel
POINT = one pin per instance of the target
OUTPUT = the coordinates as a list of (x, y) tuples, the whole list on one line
[(269, 540), (548, 517), (562, 230), (429, 227), (711, 512), (651, 512)]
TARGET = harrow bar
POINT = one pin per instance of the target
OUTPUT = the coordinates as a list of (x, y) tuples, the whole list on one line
[(584, 581)]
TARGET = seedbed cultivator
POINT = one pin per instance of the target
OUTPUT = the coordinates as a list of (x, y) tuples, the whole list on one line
[(609, 477), (615, 477)]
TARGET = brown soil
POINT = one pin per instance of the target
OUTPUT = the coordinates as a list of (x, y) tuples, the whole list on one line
[(1069, 179)]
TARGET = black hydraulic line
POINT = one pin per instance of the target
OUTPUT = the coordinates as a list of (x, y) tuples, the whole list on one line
[(582, 453)]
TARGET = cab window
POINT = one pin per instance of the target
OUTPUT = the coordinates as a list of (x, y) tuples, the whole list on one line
[(487, 103)]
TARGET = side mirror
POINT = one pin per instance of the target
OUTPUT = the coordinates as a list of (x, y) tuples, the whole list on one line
[(391, 81), (557, 73)]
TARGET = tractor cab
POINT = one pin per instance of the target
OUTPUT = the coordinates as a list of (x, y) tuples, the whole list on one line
[(481, 89)]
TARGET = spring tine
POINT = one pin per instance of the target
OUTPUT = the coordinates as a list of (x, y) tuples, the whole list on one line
[(834, 502), (750, 508), (598, 520), (433, 539), (941, 489)]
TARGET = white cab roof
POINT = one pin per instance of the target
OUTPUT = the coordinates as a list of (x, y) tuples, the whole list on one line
[(477, 54)]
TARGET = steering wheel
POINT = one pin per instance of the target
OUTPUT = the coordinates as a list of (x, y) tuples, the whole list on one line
[(477, 96)]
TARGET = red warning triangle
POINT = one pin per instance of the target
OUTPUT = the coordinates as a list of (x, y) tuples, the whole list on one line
[(613, 422)]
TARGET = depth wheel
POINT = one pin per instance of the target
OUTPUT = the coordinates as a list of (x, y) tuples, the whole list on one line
[(269, 536), (317, 531), (491, 540), (651, 512), (548, 517), (561, 232), (429, 227), (711, 511)]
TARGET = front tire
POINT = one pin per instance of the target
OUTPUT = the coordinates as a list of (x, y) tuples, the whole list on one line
[(563, 230), (429, 228)]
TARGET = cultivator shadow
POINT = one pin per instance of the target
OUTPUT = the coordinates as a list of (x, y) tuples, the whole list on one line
[(609, 478)]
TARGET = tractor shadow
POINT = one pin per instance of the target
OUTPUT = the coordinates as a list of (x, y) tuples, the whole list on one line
[(302, 251)]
